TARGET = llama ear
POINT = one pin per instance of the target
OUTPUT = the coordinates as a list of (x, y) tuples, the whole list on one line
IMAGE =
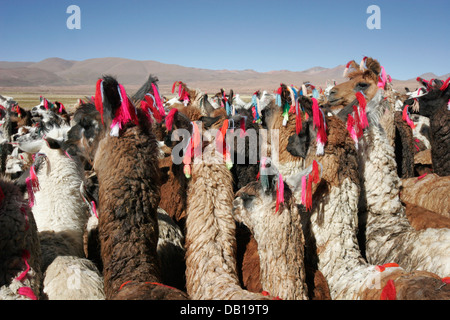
[(306, 104), (209, 121), (53, 143), (373, 65)]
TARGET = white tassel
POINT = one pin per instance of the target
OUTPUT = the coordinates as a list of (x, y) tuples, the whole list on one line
[(320, 149), (115, 130)]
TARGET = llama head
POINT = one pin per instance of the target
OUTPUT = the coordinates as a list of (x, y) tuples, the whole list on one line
[(86, 131), (437, 97), (34, 142), (361, 78), (268, 195)]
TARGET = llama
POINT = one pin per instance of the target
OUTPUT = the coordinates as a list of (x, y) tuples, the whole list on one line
[(61, 216), (385, 213), (435, 106), (278, 233), (20, 250), (330, 226), (124, 155), (210, 230)]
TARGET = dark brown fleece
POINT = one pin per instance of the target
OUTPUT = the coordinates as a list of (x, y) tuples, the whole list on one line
[(129, 194)]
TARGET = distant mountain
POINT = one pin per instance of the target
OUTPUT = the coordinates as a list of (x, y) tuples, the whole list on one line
[(60, 73)]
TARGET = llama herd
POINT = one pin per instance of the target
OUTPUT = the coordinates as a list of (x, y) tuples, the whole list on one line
[(341, 195)]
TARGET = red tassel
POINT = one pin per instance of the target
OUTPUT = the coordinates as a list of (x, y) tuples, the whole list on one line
[(151, 106), (358, 126), (308, 200), (145, 107), (445, 85), (242, 127), (298, 123), (362, 104), (173, 86), (315, 172), (170, 117), (389, 292), (99, 98), (316, 113)]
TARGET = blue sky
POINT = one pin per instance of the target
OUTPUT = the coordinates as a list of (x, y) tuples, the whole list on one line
[(247, 34)]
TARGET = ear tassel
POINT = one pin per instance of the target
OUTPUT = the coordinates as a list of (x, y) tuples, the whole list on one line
[(362, 105), (32, 183), (351, 129), (383, 79), (406, 118), (169, 119), (158, 100), (98, 99), (124, 114), (191, 150), (280, 192)]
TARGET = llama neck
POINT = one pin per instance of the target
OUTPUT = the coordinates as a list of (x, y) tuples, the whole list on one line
[(210, 238), (128, 200), (59, 206), (281, 250), (379, 176)]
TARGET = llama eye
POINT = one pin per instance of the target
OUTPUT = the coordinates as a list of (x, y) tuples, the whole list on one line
[(363, 85)]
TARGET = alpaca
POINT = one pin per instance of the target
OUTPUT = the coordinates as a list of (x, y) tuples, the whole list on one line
[(278, 234), (61, 216), (435, 105), (330, 228), (20, 251), (210, 230), (124, 155), (385, 213)]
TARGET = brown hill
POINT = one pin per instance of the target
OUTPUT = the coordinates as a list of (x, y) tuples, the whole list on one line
[(75, 76)]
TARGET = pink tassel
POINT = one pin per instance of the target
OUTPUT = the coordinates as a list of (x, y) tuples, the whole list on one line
[(25, 257), (445, 85), (351, 128), (27, 292), (124, 114), (280, 192), (158, 100), (170, 117), (61, 107), (362, 105), (94, 208), (46, 104), (32, 183), (304, 190), (406, 118), (242, 127), (382, 81), (308, 197)]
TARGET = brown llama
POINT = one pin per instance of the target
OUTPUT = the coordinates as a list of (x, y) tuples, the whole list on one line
[(210, 228), (20, 250), (124, 152)]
